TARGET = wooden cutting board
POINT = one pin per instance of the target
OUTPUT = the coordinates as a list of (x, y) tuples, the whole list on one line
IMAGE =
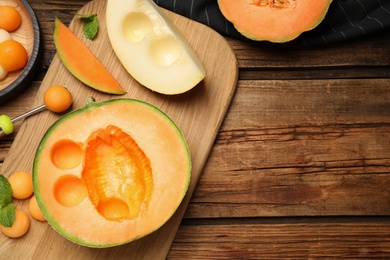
[(199, 113)]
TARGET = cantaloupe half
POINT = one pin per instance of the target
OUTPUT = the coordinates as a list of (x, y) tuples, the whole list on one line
[(81, 62), (274, 20), (111, 172)]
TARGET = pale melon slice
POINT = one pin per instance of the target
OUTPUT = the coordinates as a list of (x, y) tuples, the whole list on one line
[(151, 48)]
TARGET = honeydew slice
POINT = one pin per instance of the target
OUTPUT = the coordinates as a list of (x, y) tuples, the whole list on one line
[(151, 48)]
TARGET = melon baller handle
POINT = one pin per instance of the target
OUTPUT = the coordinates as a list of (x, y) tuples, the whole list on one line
[(24, 115)]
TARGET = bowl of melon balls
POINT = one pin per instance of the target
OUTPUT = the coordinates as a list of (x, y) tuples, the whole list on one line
[(20, 47)]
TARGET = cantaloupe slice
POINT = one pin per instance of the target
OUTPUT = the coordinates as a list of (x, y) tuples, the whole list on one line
[(81, 62), (274, 20)]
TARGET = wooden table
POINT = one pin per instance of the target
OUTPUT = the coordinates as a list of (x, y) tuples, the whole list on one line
[(301, 164)]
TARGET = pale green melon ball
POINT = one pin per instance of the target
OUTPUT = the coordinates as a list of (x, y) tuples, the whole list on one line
[(6, 124)]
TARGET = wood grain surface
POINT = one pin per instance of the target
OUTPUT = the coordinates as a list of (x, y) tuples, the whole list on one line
[(300, 168), (198, 113)]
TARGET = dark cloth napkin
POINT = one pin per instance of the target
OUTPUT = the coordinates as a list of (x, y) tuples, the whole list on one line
[(346, 19)]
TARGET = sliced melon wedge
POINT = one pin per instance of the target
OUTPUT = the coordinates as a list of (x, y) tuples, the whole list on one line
[(151, 48), (81, 62)]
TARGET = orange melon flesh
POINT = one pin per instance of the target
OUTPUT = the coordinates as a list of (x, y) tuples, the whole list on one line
[(129, 168), (81, 62), (108, 151), (274, 20)]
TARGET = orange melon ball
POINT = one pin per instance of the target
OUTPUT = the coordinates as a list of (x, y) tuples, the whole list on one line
[(21, 184), (57, 98), (10, 18), (13, 55), (34, 209), (20, 226)]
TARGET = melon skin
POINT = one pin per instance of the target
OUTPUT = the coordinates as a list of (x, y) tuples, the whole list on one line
[(79, 220), (275, 21)]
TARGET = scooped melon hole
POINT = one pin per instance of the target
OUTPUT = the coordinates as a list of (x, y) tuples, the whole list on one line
[(136, 26), (113, 209), (165, 50), (69, 190), (66, 154)]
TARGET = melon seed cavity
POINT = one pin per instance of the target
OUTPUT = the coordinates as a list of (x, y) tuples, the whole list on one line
[(277, 4)]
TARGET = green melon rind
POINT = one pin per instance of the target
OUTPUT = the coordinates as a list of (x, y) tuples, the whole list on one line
[(90, 106)]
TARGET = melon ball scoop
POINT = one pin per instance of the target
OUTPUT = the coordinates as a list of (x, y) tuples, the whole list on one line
[(56, 99)]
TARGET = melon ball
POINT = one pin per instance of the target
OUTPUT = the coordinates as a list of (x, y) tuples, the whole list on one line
[(34, 209), (4, 35), (21, 184), (10, 18), (57, 98), (20, 226)]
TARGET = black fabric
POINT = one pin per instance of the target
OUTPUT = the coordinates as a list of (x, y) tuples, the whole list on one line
[(346, 19)]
